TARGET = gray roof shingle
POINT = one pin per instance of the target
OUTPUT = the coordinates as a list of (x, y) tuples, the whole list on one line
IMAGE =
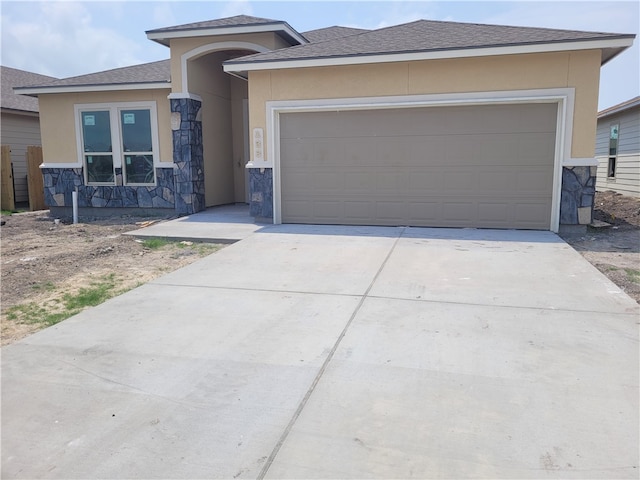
[(237, 21), (12, 77), (424, 36), (222, 25), (329, 33), (154, 72)]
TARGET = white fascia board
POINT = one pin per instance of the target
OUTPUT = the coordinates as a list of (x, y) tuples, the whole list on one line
[(93, 88), (215, 31), (431, 55)]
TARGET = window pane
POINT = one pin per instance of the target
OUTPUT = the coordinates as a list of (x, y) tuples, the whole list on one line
[(136, 130), (139, 168), (96, 131), (613, 140), (99, 168)]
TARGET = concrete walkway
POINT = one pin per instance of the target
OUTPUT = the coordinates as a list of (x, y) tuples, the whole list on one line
[(339, 352), (223, 224)]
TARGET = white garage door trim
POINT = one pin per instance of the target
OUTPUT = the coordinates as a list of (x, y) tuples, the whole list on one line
[(564, 97)]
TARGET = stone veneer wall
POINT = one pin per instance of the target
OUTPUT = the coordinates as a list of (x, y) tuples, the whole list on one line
[(261, 189), (188, 155), (59, 183), (578, 193), (576, 204)]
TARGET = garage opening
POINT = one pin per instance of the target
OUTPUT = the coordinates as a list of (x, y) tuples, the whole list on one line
[(485, 166)]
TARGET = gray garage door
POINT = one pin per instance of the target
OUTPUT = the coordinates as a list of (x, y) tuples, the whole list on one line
[(467, 166)]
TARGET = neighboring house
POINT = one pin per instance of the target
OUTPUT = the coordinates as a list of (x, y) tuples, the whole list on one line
[(427, 123), (19, 123), (618, 148)]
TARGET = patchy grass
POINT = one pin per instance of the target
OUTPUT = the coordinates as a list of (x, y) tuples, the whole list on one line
[(201, 249), (633, 274), (56, 310), (44, 287), (155, 243), (204, 249)]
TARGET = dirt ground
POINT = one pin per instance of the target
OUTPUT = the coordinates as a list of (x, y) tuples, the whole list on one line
[(614, 249), (42, 260)]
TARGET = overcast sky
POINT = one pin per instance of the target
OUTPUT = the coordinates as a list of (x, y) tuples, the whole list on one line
[(65, 38)]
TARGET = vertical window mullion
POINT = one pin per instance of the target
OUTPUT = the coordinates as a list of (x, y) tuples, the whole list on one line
[(116, 136)]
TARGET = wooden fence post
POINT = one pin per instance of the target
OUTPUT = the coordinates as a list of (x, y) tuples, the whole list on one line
[(35, 182), (7, 199)]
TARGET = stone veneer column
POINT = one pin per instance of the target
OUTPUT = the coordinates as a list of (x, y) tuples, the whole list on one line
[(578, 192), (187, 155), (261, 190)]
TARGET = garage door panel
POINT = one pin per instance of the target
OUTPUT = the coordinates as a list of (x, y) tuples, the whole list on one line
[(424, 180), (489, 212), (389, 210), (533, 181), (357, 211), (475, 166), (423, 212), (532, 212), (328, 209), (536, 149)]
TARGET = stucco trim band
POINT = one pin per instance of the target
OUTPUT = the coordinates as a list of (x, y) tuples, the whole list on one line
[(580, 162)]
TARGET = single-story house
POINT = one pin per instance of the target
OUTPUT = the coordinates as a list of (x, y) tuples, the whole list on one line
[(427, 123), (20, 123), (618, 148)]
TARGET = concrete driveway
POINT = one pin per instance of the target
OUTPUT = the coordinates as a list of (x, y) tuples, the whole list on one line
[(339, 352)]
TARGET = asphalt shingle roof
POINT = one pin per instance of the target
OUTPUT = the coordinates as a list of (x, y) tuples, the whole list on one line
[(12, 77), (329, 33), (237, 21), (154, 72), (424, 36)]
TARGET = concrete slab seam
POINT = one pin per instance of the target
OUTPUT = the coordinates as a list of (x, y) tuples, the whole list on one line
[(325, 364), (519, 307), (261, 290)]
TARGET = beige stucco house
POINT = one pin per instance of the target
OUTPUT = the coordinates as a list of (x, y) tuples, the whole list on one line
[(618, 148), (19, 123), (427, 123)]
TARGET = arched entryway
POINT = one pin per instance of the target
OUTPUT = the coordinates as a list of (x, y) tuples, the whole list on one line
[(224, 116)]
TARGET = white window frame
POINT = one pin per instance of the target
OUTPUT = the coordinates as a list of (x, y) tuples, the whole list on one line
[(114, 109)]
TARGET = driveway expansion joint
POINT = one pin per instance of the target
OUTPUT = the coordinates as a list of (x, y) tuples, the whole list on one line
[(325, 364)]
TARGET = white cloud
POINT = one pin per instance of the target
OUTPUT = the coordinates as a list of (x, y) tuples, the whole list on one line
[(236, 7), (590, 16), (620, 78), (163, 15), (61, 39), (391, 13)]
